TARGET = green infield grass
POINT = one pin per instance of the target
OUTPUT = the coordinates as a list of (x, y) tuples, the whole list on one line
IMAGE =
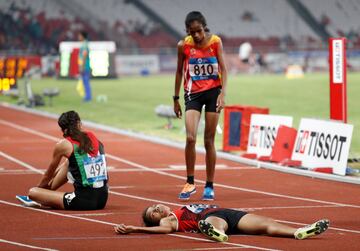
[(131, 101)]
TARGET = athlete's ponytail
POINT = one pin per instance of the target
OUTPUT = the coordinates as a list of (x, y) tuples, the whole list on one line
[(195, 16), (69, 123)]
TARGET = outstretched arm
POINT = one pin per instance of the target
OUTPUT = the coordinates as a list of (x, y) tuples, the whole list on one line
[(167, 225), (126, 229)]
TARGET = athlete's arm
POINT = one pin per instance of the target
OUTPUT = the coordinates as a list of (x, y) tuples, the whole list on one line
[(221, 61), (62, 149), (167, 225), (178, 77)]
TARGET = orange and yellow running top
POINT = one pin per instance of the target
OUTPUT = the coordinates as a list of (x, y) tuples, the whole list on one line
[(201, 68)]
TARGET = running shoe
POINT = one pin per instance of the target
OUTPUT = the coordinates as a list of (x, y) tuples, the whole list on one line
[(208, 194), (27, 202), (210, 231), (312, 230), (188, 190)]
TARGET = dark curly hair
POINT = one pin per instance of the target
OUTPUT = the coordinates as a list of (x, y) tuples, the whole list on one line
[(69, 124)]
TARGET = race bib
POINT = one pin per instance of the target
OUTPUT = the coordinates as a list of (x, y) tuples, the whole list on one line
[(95, 168), (203, 68), (198, 208)]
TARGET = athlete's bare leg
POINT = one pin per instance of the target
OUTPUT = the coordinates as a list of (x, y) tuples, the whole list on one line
[(192, 118), (256, 224), (60, 177), (211, 121), (47, 198)]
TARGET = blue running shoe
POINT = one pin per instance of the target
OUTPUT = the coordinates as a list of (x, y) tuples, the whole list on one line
[(27, 202), (208, 194), (188, 190)]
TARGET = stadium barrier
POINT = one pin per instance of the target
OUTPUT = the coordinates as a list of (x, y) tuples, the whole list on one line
[(237, 124), (318, 145)]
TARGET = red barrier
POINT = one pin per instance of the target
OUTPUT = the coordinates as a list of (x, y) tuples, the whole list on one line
[(237, 125), (284, 144)]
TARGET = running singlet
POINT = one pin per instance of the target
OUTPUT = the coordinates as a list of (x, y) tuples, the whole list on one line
[(201, 68), (88, 169), (189, 216)]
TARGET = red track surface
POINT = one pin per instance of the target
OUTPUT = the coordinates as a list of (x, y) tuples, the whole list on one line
[(138, 179)]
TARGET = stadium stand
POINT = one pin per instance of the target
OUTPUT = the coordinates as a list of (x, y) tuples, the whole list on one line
[(140, 26), (340, 18)]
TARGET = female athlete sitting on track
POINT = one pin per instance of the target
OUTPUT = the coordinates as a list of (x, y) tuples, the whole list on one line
[(216, 223), (85, 167)]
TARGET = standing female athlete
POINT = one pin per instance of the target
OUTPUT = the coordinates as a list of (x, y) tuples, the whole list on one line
[(85, 167), (201, 62)]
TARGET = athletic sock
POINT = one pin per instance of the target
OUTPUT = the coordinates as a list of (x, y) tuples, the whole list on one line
[(190, 180), (209, 184)]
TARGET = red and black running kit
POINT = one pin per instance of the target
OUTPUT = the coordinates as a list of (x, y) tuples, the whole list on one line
[(189, 216)]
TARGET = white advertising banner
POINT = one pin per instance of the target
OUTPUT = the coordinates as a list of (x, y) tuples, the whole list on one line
[(137, 64), (322, 143), (263, 131)]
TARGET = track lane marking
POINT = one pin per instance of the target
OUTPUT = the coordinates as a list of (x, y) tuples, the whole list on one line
[(113, 224), (178, 176), (26, 245), (171, 203)]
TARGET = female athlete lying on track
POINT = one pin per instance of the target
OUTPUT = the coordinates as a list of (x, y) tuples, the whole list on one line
[(216, 223), (85, 167)]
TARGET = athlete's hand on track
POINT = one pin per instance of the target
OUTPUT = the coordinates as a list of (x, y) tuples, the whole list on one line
[(123, 229)]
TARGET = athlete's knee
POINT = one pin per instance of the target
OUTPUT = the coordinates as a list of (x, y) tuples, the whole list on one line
[(190, 140), (272, 228), (209, 142), (33, 192)]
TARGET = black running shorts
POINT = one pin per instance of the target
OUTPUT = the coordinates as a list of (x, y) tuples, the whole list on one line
[(232, 217), (195, 101), (86, 198)]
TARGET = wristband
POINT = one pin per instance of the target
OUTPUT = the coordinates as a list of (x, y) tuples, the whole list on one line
[(176, 98)]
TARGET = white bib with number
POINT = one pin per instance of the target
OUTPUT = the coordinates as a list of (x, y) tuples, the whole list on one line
[(95, 168), (203, 68)]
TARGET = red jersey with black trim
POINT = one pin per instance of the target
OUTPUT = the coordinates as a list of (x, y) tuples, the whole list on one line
[(201, 68), (189, 216)]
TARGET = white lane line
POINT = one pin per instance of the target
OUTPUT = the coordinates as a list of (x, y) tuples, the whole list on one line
[(225, 243), (166, 202), (219, 248), (26, 245), (285, 207), (113, 224), (26, 129), (94, 214), (217, 167), (227, 186), (21, 163), (93, 237), (183, 178)]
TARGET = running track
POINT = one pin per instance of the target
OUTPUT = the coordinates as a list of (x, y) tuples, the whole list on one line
[(143, 173)]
